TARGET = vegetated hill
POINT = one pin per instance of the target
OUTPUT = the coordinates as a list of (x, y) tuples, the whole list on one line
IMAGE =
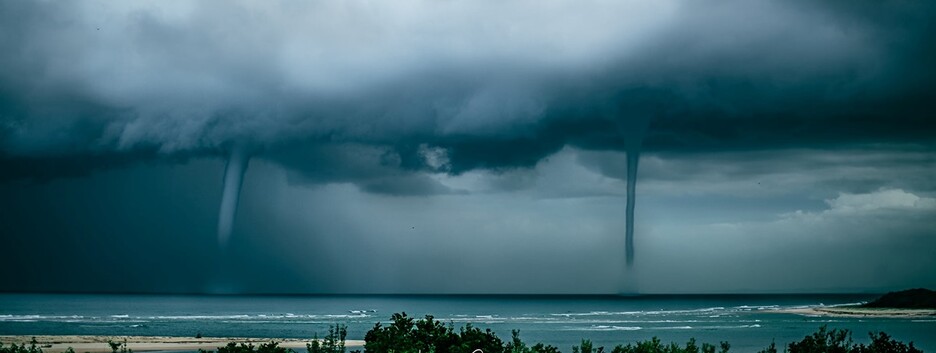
[(918, 298)]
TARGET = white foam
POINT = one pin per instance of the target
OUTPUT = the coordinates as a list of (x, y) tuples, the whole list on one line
[(605, 328), (649, 312), (35, 318)]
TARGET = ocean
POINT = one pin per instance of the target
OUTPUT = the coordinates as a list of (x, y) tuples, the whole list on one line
[(742, 320)]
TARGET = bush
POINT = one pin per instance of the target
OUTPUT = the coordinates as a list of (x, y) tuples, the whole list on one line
[(334, 342), (233, 347), (32, 348), (472, 338), (120, 347), (516, 345), (405, 335), (586, 348), (655, 346), (882, 343), (840, 341)]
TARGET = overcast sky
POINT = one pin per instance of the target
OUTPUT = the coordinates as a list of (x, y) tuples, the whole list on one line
[(468, 146)]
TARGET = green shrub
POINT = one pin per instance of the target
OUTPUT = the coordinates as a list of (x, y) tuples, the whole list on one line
[(14, 348), (882, 343), (471, 338), (405, 335), (119, 347), (233, 347), (840, 341), (586, 348), (334, 342), (654, 345), (516, 345)]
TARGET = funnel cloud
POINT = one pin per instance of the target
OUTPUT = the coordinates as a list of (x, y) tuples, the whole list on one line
[(633, 158), (233, 180)]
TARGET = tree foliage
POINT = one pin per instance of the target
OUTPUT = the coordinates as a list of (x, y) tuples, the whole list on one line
[(840, 341), (654, 345), (334, 341), (23, 348), (118, 347), (405, 334), (233, 347)]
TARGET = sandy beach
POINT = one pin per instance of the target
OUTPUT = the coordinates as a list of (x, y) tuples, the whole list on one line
[(96, 344), (854, 311)]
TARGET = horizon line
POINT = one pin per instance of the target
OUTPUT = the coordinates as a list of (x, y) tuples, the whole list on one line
[(455, 295)]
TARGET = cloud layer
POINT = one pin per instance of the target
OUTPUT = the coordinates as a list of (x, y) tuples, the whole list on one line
[(489, 84)]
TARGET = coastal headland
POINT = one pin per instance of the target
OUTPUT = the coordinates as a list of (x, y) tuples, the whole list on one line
[(911, 303), (858, 311)]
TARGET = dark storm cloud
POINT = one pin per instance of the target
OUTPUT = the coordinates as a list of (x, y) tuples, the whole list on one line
[(96, 85), (375, 169), (516, 115)]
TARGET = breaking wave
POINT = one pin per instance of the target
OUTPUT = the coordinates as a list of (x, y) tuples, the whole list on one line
[(604, 328)]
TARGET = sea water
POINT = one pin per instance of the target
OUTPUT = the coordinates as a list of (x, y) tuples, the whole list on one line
[(747, 322)]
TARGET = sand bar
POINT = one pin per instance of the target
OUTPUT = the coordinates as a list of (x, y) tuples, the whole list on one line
[(98, 344), (855, 311)]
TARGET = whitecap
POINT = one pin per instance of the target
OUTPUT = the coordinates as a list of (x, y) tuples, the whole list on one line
[(604, 328)]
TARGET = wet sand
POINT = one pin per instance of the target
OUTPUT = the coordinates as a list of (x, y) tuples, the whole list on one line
[(98, 344)]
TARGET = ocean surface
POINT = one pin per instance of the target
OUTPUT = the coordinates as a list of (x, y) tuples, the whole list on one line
[(744, 321)]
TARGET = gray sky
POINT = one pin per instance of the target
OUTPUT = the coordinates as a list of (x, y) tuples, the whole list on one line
[(468, 147)]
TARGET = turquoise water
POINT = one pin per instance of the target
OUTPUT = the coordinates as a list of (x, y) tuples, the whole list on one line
[(744, 321)]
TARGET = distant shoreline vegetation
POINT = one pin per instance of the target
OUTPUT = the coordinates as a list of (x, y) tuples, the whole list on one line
[(918, 298), (408, 335)]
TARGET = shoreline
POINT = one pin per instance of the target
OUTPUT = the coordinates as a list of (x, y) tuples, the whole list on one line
[(98, 343), (857, 311)]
